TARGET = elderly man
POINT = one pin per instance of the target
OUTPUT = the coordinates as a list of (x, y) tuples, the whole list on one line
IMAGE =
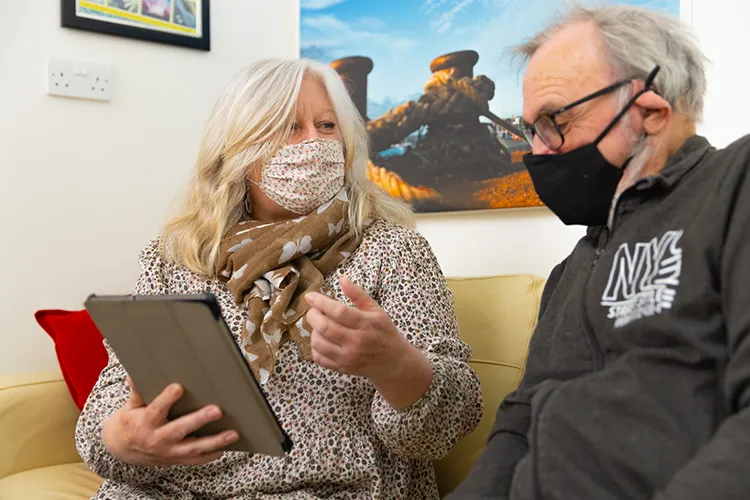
[(637, 383)]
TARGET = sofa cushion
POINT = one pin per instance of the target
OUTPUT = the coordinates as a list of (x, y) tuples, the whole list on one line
[(37, 423), (497, 316), (57, 482), (79, 349)]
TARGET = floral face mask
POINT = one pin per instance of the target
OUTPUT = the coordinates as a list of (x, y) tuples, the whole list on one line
[(302, 177)]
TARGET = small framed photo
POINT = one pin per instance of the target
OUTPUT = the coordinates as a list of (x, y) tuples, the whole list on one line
[(175, 22)]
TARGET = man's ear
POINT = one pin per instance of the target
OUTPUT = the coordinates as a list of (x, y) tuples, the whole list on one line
[(657, 112)]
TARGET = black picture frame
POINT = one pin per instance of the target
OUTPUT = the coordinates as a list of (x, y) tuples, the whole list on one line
[(70, 19)]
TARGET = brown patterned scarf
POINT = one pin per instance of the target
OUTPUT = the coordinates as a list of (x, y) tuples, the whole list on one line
[(270, 266)]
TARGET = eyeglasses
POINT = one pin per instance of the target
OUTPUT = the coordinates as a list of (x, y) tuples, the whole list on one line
[(549, 131)]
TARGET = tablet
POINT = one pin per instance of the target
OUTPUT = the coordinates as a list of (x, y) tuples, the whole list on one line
[(163, 339)]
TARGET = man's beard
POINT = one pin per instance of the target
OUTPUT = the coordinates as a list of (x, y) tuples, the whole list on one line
[(634, 170), (640, 155)]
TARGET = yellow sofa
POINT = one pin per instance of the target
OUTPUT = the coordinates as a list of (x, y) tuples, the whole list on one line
[(38, 459)]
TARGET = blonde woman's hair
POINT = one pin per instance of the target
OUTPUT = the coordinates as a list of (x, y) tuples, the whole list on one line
[(251, 121)]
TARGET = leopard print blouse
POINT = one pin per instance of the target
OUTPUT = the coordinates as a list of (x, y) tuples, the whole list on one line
[(349, 443)]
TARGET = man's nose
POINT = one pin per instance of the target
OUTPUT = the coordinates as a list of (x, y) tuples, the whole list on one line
[(538, 147)]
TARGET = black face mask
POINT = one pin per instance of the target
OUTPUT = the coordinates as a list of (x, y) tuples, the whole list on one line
[(579, 186)]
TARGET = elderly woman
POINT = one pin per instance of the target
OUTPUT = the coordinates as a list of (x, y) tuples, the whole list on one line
[(341, 310)]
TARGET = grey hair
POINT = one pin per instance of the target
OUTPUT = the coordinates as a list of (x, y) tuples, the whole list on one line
[(636, 40)]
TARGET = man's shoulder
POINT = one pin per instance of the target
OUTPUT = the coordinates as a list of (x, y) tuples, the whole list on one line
[(741, 145), (735, 156), (731, 166)]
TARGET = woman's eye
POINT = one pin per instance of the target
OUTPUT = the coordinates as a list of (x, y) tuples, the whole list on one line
[(328, 125)]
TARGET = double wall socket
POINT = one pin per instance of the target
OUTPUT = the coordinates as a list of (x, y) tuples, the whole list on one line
[(67, 78)]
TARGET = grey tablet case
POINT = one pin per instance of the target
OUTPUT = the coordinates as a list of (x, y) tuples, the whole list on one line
[(161, 339)]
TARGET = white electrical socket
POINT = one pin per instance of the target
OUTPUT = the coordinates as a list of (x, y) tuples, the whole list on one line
[(79, 79)]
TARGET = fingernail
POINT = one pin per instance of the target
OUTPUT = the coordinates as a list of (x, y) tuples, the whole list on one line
[(213, 412), (175, 390), (232, 436)]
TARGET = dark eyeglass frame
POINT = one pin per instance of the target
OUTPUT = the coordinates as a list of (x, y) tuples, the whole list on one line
[(606, 90)]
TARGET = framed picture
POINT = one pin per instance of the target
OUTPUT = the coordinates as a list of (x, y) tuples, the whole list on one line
[(175, 22), (441, 101)]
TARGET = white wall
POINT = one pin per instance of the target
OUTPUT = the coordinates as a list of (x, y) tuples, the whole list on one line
[(721, 28), (84, 185), (494, 242)]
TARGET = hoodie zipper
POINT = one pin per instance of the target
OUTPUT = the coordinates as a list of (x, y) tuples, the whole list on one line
[(597, 354)]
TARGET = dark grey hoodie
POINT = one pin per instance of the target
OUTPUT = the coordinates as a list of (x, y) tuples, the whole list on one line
[(638, 378)]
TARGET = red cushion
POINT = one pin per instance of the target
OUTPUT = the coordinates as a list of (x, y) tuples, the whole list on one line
[(79, 349)]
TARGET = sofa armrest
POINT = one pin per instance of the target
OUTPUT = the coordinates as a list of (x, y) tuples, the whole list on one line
[(37, 422)]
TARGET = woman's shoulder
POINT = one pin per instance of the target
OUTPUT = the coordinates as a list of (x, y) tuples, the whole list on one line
[(151, 255), (382, 232), (153, 260)]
